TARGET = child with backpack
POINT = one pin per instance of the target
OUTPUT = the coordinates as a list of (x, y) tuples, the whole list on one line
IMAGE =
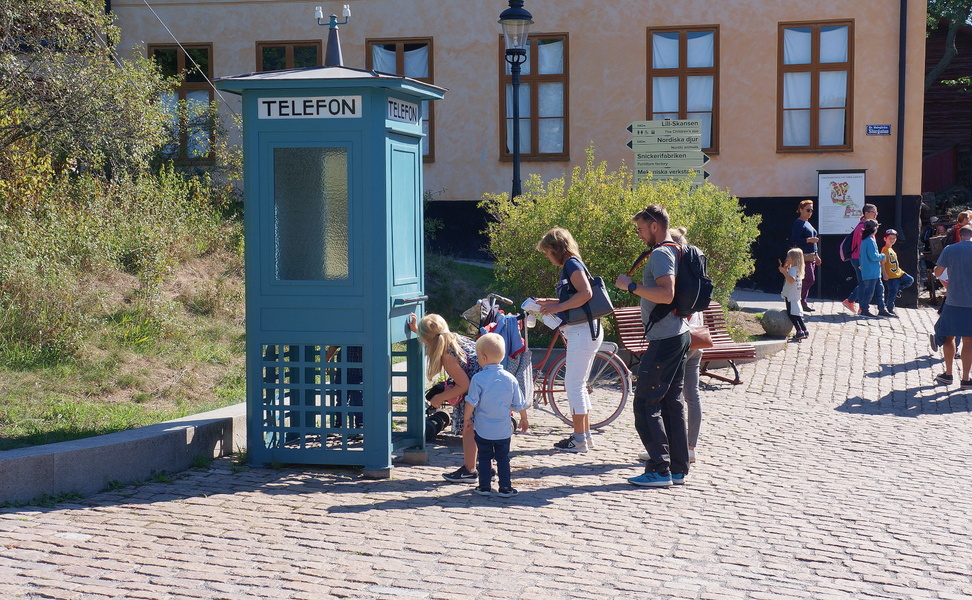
[(793, 270)]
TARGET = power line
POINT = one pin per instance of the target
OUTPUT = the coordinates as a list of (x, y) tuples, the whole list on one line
[(189, 56)]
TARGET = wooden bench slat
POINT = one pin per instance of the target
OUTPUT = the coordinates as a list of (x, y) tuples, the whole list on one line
[(631, 331)]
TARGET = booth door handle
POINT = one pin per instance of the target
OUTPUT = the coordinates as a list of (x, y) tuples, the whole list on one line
[(413, 300)]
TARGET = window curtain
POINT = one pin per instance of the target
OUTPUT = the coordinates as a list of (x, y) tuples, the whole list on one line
[(833, 102), (417, 62), (550, 57), (699, 104), (796, 46), (664, 97), (701, 49), (833, 44), (550, 98), (796, 109), (383, 59), (664, 50)]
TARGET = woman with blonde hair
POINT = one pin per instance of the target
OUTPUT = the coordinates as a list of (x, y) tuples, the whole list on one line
[(582, 339), (456, 356)]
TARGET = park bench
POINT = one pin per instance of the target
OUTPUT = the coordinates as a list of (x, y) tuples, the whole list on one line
[(632, 333)]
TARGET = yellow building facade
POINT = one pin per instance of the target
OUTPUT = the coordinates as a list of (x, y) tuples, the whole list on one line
[(607, 78)]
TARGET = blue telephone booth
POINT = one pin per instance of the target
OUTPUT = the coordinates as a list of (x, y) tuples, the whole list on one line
[(334, 264)]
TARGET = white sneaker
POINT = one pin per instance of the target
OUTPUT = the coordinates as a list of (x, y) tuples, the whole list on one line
[(569, 445), (691, 455), (589, 440), (644, 456)]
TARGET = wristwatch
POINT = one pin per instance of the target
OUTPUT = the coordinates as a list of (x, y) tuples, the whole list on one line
[(632, 287)]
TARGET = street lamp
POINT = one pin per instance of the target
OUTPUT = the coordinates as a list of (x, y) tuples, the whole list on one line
[(516, 23)]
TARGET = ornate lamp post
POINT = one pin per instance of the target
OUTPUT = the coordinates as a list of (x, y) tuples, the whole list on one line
[(516, 23)]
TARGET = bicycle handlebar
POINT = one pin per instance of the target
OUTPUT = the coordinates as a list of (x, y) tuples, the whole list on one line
[(500, 298)]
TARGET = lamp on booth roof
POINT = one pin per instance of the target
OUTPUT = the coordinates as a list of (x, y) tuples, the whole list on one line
[(332, 53), (516, 22)]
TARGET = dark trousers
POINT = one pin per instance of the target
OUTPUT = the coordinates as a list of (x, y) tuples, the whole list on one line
[(856, 264), (809, 278), (892, 286), (659, 410), (797, 320), (498, 450)]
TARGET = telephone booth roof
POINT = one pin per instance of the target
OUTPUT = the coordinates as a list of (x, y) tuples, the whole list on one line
[(315, 77)]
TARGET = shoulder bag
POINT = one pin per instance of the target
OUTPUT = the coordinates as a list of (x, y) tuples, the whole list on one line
[(598, 306)]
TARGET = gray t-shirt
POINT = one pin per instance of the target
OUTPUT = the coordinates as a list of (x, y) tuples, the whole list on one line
[(661, 262), (957, 258)]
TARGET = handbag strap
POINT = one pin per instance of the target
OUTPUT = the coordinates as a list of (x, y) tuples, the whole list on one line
[(593, 323)]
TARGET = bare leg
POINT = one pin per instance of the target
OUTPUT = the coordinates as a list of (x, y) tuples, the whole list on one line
[(948, 349), (582, 423), (469, 449), (966, 357)]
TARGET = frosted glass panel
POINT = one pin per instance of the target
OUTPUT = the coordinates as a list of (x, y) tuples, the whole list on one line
[(310, 197)]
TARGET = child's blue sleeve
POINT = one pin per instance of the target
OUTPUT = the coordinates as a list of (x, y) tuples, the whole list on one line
[(473, 393), (519, 402)]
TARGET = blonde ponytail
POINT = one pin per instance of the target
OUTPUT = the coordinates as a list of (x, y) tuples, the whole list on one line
[(434, 331)]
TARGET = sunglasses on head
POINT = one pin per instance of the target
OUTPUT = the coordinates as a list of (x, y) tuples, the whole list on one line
[(646, 215)]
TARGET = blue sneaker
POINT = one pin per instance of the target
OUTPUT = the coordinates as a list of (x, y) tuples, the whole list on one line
[(678, 478), (651, 480)]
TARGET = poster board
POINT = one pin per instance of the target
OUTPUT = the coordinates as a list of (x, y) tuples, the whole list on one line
[(840, 198)]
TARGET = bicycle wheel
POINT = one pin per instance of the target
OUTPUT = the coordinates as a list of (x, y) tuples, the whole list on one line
[(608, 384)]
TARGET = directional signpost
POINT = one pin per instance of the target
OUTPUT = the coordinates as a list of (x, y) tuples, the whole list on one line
[(668, 149)]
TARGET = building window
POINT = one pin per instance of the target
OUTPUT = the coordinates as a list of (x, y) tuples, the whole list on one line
[(190, 127), (683, 78), (814, 90), (543, 100), (411, 57), (274, 56)]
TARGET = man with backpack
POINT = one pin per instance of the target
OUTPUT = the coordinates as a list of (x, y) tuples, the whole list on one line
[(658, 408), (870, 212)]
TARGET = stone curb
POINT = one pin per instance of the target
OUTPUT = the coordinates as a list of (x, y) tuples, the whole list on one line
[(88, 465)]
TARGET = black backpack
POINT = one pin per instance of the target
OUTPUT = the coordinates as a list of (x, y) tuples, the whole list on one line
[(846, 247), (693, 286)]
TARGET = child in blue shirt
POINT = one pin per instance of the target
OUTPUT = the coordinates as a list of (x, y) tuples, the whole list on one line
[(493, 393)]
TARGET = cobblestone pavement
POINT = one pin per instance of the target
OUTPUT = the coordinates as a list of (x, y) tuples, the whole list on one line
[(837, 470)]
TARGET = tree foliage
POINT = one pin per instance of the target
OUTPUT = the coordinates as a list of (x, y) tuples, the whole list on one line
[(74, 97), (596, 206), (953, 14)]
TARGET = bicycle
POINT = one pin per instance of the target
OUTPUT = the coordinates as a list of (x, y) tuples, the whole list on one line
[(609, 381)]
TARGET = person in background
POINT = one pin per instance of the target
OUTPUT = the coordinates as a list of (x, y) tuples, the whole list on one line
[(804, 236), (792, 270), (870, 212), (956, 318), (895, 279), (493, 393), (870, 261), (952, 234)]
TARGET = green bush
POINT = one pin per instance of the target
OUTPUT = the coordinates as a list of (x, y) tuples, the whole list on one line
[(596, 206)]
